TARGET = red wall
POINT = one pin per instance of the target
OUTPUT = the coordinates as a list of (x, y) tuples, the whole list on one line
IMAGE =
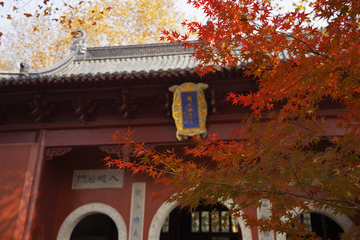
[(45, 208), (68, 200), (16, 173), (56, 188)]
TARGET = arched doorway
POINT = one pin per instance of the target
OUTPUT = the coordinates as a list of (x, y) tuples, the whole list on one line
[(95, 227), (165, 209), (89, 209), (201, 224), (341, 220), (321, 225)]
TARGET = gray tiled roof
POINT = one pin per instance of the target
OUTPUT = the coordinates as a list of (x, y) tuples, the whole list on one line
[(131, 63), (120, 60), (133, 59)]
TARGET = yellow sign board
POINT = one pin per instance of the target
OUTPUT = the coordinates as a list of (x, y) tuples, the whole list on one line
[(189, 110)]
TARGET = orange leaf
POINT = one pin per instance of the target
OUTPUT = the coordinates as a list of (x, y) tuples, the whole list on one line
[(36, 29), (27, 14), (128, 133), (15, 8), (9, 17), (2, 3)]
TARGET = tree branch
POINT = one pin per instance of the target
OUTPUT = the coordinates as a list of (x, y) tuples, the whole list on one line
[(282, 193)]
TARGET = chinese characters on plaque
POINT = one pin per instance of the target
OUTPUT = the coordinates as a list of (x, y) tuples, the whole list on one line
[(189, 110), (137, 211), (264, 213), (95, 179)]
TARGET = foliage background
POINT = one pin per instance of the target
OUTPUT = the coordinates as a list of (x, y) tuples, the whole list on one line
[(43, 36)]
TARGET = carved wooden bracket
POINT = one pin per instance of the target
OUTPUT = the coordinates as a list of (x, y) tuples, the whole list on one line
[(164, 101), (119, 151), (43, 110), (112, 150), (55, 152), (127, 105), (86, 108), (217, 100)]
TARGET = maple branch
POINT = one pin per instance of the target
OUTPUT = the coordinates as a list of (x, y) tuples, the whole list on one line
[(174, 172), (297, 179), (299, 125), (321, 200), (317, 126), (350, 74), (354, 159), (299, 80), (153, 168), (346, 200), (318, 186), (312, 50), (334, 200), (322, 134), (309, 46), (356, 194)]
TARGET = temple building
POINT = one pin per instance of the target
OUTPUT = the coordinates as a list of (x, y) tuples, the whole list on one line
[(55, 130)]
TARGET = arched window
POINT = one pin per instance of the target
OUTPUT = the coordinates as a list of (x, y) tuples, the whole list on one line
[(201, 224), (95, 227)]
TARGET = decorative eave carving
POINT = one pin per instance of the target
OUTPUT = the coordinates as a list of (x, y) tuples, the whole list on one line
[(42, 109), (86, 108), (79, 44), (217, 101), (24, 68), (119, 150), (165, 103), (56, 152), (112, 150), (127, 106)]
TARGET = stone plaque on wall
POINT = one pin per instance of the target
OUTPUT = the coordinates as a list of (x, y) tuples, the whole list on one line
[(137, 211), (264, 212), (96, 179)]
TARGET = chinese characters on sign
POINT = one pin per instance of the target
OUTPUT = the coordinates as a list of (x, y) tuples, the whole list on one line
[(190, 109), (137, 211), (95, 179)]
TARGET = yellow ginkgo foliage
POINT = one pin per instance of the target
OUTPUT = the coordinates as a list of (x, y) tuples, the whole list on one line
[(6, 65), (36, 40), (45, 39)]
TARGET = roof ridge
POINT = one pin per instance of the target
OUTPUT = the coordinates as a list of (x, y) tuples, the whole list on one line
[(135, 50), (56, 68), (101, 59)]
